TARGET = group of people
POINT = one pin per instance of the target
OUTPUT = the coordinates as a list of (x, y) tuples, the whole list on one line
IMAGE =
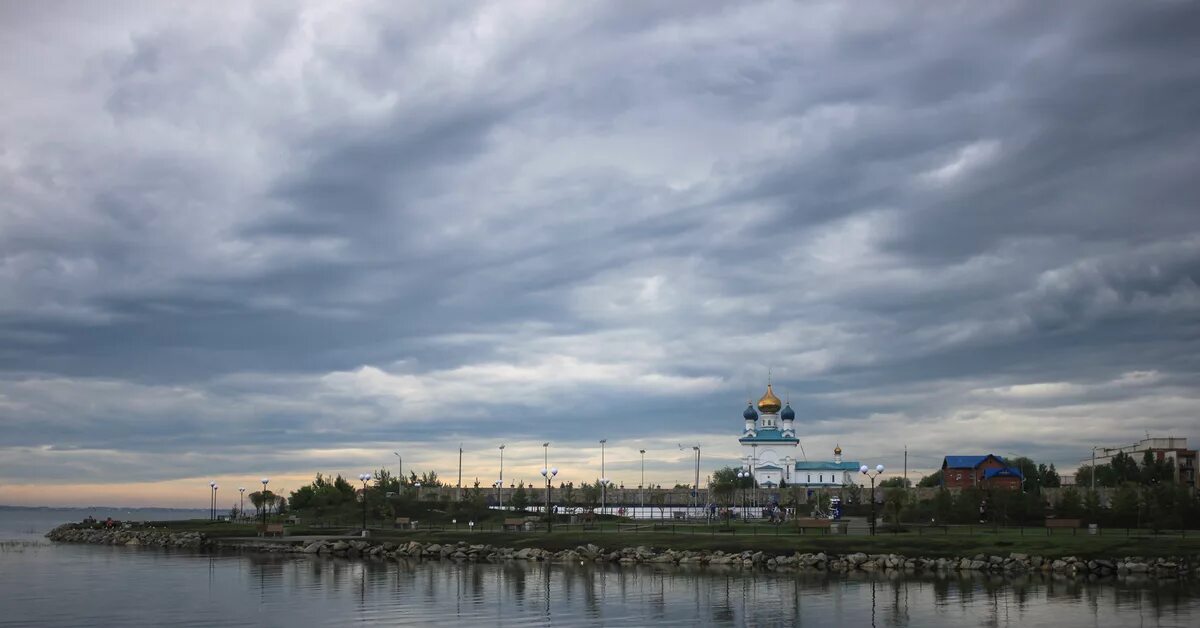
[(773, 512), (91, 521)]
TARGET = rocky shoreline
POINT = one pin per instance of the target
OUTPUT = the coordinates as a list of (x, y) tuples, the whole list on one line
[(462, 551), (152, 537)]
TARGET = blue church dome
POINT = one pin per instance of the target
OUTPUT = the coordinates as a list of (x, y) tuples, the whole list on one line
[(750, 414), (788, 413)]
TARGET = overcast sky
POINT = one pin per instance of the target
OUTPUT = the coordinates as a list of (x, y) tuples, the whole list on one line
[(245, 239)]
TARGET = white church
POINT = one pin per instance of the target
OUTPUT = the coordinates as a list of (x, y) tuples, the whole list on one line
[(770, 445)]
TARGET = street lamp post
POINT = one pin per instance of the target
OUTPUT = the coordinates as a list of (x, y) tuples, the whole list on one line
[(364, 477), (549, 475), (603, 478), (742, 475), (500, 484), (867, 472), (642, 485), (212, 501), (264, 481), (241, 502), (400, 468), (754, 484), (696, 491)]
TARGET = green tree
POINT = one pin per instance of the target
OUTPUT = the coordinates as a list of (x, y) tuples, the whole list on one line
[(1029, 470), (896, 482), (1124, 468), (567, 490), (520, 498), (658, 499), (1126, 505), (385, 482), (430, 479), (591, 493), (893, 503), (943, 506), (931, 480), (1091, 506), (1069, 504), (1050, 477), (725, 483)]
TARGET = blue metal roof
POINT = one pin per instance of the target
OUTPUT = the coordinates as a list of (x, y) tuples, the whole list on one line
[(825, 465), (768, 436), (1003, 472), (770, 466), (968, 462)]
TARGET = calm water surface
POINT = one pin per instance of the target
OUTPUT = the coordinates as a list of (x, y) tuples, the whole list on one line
[(68, 585)]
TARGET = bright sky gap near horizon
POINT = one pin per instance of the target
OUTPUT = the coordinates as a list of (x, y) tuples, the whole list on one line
[(281, 238)]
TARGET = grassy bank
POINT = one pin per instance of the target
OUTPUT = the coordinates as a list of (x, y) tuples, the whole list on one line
[(772, 539)]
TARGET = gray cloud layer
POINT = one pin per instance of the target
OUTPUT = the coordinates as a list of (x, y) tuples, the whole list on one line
[(969, 228)]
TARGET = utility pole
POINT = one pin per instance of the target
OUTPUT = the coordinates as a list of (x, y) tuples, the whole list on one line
[(603, 478), (460, 471), (906, 467)]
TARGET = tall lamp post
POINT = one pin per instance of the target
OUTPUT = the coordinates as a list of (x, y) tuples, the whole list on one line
[(264, 481), (642, 485), (549, 475), (212, 501), (696, 491), (400, 467), (500, 484), (364, 477), (867, 472), (603, 478), (241, 502)]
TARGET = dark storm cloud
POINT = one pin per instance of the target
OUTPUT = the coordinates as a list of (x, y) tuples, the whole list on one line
[(322, 229)]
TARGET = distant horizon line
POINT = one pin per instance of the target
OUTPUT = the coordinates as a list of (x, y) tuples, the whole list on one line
[(15, 507)]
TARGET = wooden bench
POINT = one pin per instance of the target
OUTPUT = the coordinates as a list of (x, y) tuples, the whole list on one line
[(403, 522), (515, 524), (813, 524), (270, 529), (1063, 523)]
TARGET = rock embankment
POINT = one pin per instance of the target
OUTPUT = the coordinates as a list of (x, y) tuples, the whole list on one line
[(462, 551), (152, 537), (1014, 563)]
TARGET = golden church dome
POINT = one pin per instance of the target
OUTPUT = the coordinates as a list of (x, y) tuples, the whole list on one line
[(837, 451), (769, 404)]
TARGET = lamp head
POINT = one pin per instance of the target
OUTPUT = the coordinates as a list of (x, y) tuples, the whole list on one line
[(242, 489), (545, 471), (265, 480), (212, 484), (862, 469), (879, 468), (553, 470)]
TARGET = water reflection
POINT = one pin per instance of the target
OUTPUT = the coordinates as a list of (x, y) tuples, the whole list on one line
[(103, 585)]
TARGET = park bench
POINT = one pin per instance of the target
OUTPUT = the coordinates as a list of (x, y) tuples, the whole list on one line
[(1062, 523), (404, 522), (515, 524), (270, 529), (813, 524)]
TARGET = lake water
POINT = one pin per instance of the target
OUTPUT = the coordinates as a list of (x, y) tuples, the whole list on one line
[(49, 584)]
